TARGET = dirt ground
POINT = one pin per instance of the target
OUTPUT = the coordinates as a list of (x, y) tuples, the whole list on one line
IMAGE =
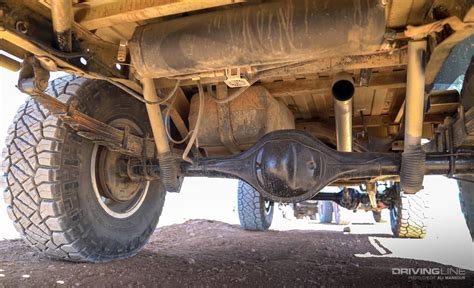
[(208, 253)]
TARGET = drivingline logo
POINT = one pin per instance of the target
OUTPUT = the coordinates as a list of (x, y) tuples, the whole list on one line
[(431, 273)]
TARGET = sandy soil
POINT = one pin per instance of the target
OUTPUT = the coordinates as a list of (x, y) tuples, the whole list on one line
[(213, 254)]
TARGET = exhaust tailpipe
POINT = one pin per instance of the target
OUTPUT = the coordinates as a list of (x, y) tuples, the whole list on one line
[(62, 16), (276, 32), (343, 90)]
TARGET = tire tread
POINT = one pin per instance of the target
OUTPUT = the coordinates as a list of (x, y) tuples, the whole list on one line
[(412, 217), (251, 209), (36, 181), (466, 197)]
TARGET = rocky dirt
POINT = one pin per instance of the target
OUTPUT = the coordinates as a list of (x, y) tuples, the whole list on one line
[(206, 253)]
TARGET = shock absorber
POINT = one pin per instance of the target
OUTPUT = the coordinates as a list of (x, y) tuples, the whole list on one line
[(413, 156), (62, 16), (168, 166)]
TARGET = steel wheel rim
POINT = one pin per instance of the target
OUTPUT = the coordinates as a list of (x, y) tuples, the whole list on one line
[(112, 206)]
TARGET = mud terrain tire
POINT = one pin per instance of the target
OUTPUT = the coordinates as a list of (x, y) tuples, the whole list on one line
[(325, 210), (467, 92), (408, 217), (466, 188), (49, 191), (466, 196), (377, 216), (255, 214)]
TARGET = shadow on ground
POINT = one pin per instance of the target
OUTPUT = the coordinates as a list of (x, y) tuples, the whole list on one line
[(209, 253)]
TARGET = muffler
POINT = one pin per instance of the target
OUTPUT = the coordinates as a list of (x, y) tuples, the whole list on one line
[(270, 33)]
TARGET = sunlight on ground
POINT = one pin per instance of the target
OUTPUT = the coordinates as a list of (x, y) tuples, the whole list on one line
[(448, 240)]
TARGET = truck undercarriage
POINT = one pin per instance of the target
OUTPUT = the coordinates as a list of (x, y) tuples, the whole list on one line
[(287, 96)]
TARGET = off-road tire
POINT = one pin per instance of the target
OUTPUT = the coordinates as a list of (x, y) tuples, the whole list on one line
[(466, 197), (325, 211), (47, 178), (377, 216), (466, 188), (408, 216), (467, 92), (342, 216), (255, 214)]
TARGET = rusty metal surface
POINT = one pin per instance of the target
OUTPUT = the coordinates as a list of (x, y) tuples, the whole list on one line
[(310, 98), (380, 61), (96, 131), (303, 89), (442, 102), (252, 115), (97, 14), (224, 121), (401, 13)]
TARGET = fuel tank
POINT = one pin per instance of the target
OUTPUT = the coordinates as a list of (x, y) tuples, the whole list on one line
[(233, 127)]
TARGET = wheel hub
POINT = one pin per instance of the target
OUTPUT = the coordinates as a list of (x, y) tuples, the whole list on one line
[(114, 185), (116, 192)]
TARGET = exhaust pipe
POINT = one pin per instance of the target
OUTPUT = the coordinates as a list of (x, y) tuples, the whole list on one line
[(343, 90), (168, 168), (415, 94), (276, 32), (62, 16)]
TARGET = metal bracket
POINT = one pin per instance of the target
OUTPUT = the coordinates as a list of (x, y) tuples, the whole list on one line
[(33, 77), (372, 193), (122, 51), (235, 80), (455, 133)]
